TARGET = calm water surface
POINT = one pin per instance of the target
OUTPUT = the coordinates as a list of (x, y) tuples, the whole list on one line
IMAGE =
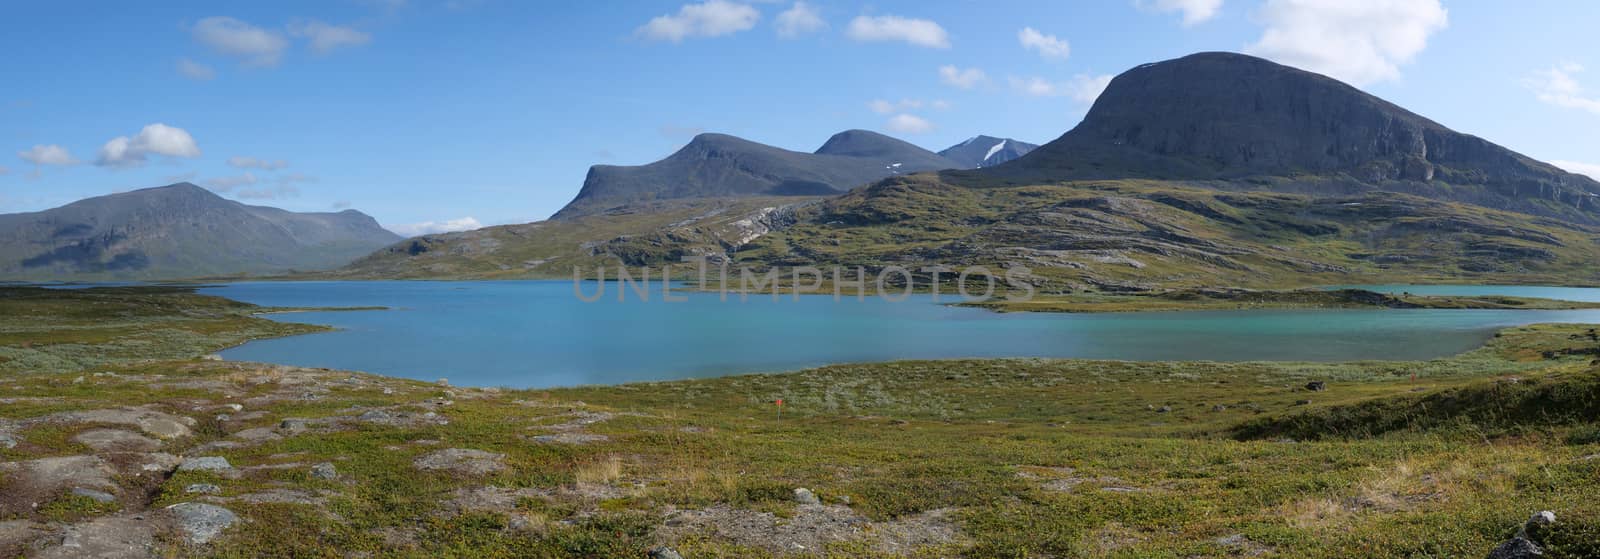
[(537, 334)]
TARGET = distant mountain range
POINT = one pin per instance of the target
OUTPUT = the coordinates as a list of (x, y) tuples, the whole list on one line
[(986, 151), (1211, 169), (719, 165), (178, 231), (1250, 123)]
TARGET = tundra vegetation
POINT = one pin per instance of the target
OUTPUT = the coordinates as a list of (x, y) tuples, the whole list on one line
[(153, 449)]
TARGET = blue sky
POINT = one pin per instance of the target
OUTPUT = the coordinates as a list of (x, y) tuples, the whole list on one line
[(433, 114)]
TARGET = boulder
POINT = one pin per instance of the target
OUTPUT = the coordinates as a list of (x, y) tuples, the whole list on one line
[(462, 461), (200, 522), (325, 471), (806, 497), (115, 537), (1517, 548), (205, 464), (110, 440)]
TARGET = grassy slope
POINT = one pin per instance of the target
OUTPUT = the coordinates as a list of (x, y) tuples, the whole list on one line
[(653, 233), (1031, 458), (53, 330), (1215, 299), (1085, 235)]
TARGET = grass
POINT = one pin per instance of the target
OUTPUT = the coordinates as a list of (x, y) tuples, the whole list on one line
[(1105, 236), (1220, 299), (1026, 457), (52, 330)]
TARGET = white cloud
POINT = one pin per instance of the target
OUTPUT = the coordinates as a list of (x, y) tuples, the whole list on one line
[(1086, 88), (919, 32), (432, 227), (1358, 41), (47, 155), (1558, 87), (324, 38), (1592, 170), (1035, 86), (908, 124), (963, 78), (155, 139), (254, 45), (799, 20), (240, 162), (1083, 88), (1048, 46), (195, 70), (1194, 11), (712, 18), (884, 106)]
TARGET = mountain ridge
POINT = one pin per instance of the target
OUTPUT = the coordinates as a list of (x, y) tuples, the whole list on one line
[(720, 165), (987, 151), (178, 231), (1222, 116)]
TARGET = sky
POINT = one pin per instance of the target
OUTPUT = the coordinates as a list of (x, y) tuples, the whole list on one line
[(436, 115)]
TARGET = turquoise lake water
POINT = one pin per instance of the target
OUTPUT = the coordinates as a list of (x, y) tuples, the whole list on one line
[(538, 334)]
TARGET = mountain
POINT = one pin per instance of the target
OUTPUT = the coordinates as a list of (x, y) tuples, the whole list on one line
[(719, 165), (986, 151), (1210, 170), (1231, 117), (178, 231)]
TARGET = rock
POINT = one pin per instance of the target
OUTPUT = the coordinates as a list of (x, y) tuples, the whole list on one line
[(161, 425), (1164, 409), (108, 440), (1538, 526), (375, 415), (1316, 386), (1219, 408), (115, 537), (664, 552), (235, 408), (444, 382), (293, 425), (570, 438), (1517, 548), (38, 481), (200, 522), (1538, 523), (324, 470), (205, 464), (462, 461), (8, 441), (806, 497), (204, 488), (97, 496), (159, 462), (257, 435), (1524, 545), (1302, 402)]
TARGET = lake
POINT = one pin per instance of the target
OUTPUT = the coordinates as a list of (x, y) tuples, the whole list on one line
[(538, 334)]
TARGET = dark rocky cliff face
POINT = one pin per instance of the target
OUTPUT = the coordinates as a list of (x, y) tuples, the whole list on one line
[(1229, 116)]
